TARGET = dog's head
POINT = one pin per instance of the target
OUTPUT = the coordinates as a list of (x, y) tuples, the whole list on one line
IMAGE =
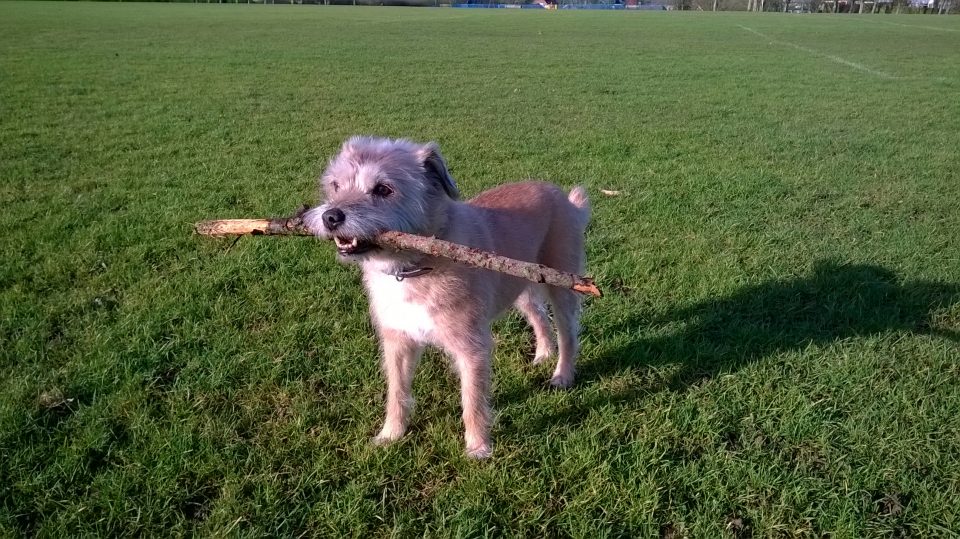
[(374, 185)]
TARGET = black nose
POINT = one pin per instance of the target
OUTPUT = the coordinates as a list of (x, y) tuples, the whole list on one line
[(333, 218)]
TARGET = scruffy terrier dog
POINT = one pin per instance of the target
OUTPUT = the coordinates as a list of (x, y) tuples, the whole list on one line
[(375, 185)]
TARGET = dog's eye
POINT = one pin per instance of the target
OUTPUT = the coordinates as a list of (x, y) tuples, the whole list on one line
[(335, 186), (381, 190)]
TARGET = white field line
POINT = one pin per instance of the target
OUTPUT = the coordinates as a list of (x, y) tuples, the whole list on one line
[(837, 59), (877, 20), (915, 26)]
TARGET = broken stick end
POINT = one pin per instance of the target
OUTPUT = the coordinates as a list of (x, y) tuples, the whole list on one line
[(588, 287)]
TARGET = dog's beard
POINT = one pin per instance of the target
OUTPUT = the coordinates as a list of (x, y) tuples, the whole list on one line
[(354, 239), (351, 243)]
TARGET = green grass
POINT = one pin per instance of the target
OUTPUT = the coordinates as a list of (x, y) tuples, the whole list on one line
[(777, 353)]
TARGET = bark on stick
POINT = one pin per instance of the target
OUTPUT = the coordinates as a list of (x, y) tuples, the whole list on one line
[(293, 226)]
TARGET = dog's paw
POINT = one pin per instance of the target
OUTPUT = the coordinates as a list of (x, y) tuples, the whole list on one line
[(380, 441), (385, 438), (561, 382), (545, 351), (479, 452), (542, 357)]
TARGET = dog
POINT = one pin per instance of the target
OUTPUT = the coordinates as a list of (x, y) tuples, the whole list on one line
[(375, 185)]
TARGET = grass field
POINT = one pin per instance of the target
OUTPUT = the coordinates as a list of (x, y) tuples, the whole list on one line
[(777, 353)]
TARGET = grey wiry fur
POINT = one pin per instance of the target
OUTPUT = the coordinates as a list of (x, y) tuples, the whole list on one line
[(374, 185)]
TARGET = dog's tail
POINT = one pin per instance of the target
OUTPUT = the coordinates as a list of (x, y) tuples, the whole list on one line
[(578, 197)]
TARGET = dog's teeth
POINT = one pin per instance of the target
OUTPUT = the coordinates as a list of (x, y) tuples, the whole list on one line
[(354, 242)]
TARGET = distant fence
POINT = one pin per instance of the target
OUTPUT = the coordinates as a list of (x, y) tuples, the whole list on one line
[(473, 4), (794, 6), (440, 3), (470, 5), (651, 7)]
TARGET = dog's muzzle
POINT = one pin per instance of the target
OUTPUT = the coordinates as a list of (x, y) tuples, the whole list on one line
[(332, 219)]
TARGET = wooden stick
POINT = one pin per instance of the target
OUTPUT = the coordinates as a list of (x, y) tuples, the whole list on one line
[(294, 226)]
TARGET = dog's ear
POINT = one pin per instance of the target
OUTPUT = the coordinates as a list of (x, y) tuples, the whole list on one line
[(436, 168)]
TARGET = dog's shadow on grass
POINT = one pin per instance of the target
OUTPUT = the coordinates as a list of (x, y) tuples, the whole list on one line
[(697, 342)]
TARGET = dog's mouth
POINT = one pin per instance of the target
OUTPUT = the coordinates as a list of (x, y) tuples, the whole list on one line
[(352, 246)]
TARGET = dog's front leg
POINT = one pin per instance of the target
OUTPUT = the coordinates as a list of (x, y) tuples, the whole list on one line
[(472, 360), (400, 357)]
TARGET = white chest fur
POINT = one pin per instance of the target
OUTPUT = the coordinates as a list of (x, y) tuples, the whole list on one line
[(391, 307)]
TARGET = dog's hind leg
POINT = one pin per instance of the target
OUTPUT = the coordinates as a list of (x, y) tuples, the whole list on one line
[(566, 314), (400, 357), (534, 308)]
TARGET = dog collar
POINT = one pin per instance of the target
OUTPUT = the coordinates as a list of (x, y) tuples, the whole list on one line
[(402, 274)]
